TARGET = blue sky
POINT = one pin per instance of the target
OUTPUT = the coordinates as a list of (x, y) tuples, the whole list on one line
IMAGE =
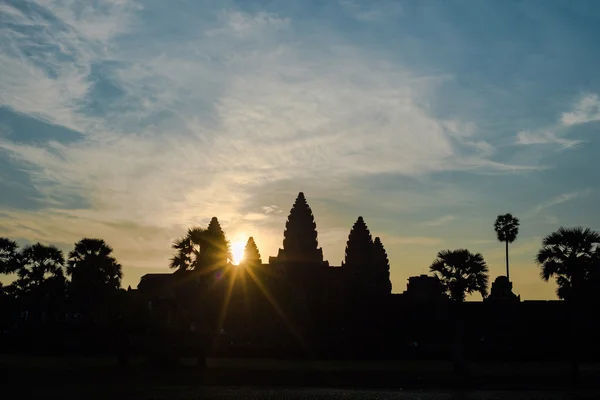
[(132, 120)]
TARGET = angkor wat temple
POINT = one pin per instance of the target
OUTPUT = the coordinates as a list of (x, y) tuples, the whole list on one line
[(298, 304)]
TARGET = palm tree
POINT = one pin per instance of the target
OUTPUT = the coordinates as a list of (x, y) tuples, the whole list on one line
[(201, 249), (95, 273), (572, 255), (189, 250), (38, 263), (91, 263), (460, 272), (507, 229)]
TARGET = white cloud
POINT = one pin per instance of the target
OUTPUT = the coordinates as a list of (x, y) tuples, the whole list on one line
[(586, 110), (271, 209), (244, 24), (10, 13), (546, 137), (440, 221), (45, 72), (372, 11), (207, 120)]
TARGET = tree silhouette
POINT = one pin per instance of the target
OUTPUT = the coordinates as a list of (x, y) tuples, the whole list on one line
[(8, 256), (91, 264), (201, 249), (461, 272), (251, 253), (38, 263), (189, 250), (507, 229), (570, 255), (300, 242), (41, 281), (381, 268), (95, 273)]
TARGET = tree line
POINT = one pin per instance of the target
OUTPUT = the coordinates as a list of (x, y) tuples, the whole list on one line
[(90, 272), (47, 282)]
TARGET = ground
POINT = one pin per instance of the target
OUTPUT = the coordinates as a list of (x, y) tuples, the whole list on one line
[(101, 378)]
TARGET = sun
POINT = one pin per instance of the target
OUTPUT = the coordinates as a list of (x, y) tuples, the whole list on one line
[(237, 251)]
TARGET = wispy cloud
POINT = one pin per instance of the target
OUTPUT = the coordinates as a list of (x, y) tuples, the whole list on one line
[(546, 137), (562, 198), (440, 221), (411, 240), (46, 60), (586, 110), (280, 110), (372, 11)]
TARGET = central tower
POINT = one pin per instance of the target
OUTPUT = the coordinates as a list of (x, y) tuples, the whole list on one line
[(300, 244)]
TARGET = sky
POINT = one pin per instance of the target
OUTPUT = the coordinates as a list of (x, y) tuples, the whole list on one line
[(132, 120)]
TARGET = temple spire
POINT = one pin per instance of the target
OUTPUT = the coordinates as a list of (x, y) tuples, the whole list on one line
[(217, 250), (359, 246), (300, 242), (251, 253), (381, 269)]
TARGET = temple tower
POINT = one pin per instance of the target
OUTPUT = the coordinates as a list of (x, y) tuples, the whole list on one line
[(300, 244)]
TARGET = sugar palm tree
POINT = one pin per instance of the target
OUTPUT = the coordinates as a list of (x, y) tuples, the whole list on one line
[(201, 249), (460, 272), (507, 229), (91, 262), (95, 274), (38, 263), (572, 256), (189, 250)]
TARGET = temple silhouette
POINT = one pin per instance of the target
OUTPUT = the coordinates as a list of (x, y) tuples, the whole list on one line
[(298, 303)]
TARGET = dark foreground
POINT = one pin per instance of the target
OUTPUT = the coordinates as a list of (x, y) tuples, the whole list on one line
[(260, 393), (102, 378)]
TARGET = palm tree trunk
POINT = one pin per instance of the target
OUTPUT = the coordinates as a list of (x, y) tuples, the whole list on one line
[(507, 275), (459, 350), (575, 331)]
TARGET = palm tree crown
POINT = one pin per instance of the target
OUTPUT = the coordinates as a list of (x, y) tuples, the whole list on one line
[(461, 272), (38, 262), (507, 229), (188, 250), (571, 256), (91, 263)]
